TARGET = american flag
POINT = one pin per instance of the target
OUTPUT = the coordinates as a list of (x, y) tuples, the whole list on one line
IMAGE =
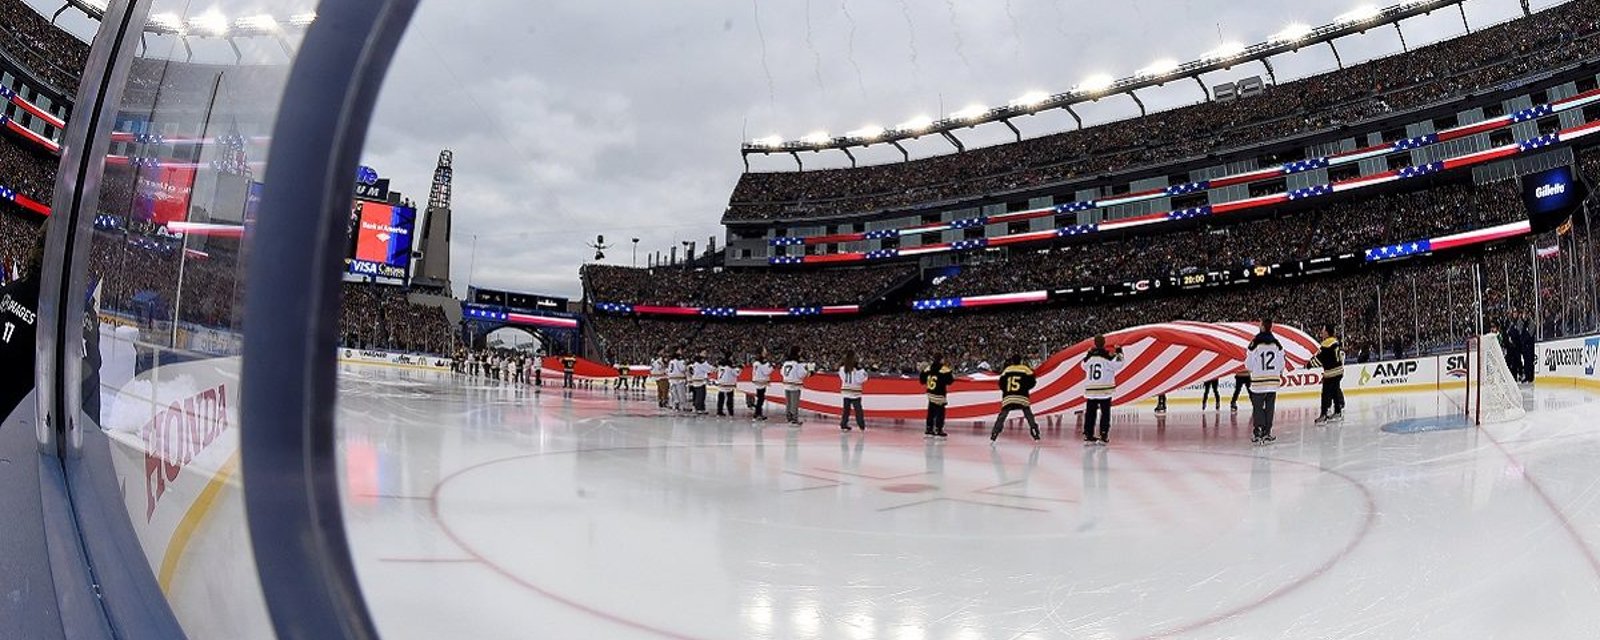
[(1159, 359)]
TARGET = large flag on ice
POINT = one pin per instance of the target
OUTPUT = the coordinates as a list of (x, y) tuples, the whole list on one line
[(1158, 359)]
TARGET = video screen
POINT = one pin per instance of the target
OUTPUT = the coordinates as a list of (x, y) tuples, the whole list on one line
[(380, 239)]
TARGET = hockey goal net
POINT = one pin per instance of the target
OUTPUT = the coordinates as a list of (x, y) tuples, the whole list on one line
[(1492, 393)]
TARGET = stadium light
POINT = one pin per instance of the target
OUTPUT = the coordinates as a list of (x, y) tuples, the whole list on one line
[(262, 23), (1226, 50), (816, 137), (972, 112), (1363, 13), (211, 24), (869, 132), (168, 22), (1159, 68), (1096, 83), (1030, 99), (1292, 33), (303, 19), (917, 124), (772, 142)]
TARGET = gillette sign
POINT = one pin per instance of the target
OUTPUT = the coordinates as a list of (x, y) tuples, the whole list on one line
[(1550, 190), (1551, 197)]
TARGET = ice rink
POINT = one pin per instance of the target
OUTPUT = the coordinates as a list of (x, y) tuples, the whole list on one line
[(479, 510)]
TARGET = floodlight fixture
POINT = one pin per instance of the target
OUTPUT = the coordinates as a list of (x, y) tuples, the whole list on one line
[(1293, 33), (971, 112), (772, 141), (1159, 68), (868, 132), (1225, 51), (303, 19), (917, 124), (816, 137), (1030, 99), (261, 24), (168, 23), (210, 24), (1096, 83), (1363, 13)]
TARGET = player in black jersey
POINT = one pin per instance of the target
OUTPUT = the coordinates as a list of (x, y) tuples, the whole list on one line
[(19, 321), (1330, 357), (936, 380), (1015, 383)]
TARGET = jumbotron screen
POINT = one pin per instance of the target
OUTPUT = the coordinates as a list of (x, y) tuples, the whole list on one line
[(380, 239)]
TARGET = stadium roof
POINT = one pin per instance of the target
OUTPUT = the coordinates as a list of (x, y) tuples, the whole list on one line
[(1229, 55)]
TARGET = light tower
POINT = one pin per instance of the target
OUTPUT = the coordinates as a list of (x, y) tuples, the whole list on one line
[(433, 249)]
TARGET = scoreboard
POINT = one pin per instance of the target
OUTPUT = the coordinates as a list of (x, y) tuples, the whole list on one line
[(516, 301)]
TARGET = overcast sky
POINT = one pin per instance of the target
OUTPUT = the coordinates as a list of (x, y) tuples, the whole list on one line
[(574, 118)]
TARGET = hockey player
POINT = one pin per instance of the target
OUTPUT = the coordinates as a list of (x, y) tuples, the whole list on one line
[(851, 380), (699, 374), (936, 380), (1100, 369), (1016, 380), (1212, 387), (569, 365), (678, 380), (761, 377), (1265, 362), (794, 378), (1330, 356), (19, 317), (1241, 382), (658, 374), (727, 382)]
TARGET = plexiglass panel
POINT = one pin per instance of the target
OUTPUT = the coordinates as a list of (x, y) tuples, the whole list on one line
[(190, 138)]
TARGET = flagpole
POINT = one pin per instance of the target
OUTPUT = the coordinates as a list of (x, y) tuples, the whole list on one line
[(1538, 294), (177, 296)]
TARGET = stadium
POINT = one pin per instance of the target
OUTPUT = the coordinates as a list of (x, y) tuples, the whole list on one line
[(259, 380)]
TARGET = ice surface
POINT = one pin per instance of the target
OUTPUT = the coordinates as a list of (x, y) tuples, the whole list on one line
[(479, 510)]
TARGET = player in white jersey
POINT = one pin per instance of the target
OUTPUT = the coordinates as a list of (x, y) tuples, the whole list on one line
[(794, 379), (678, 380), (1100, 367), (761, 376), (1265, 362), (852, 378), (727, 382), (658, 377), (699, 374)]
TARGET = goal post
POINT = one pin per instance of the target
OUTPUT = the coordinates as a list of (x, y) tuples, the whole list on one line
[(1493, 395)]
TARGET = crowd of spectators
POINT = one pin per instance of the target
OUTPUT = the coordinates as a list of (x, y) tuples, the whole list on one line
[(1327, 230), (383, 317), (1482, 60), (1426, 305), (27, 168), (751, 288), (54, 55), (19, 232)]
